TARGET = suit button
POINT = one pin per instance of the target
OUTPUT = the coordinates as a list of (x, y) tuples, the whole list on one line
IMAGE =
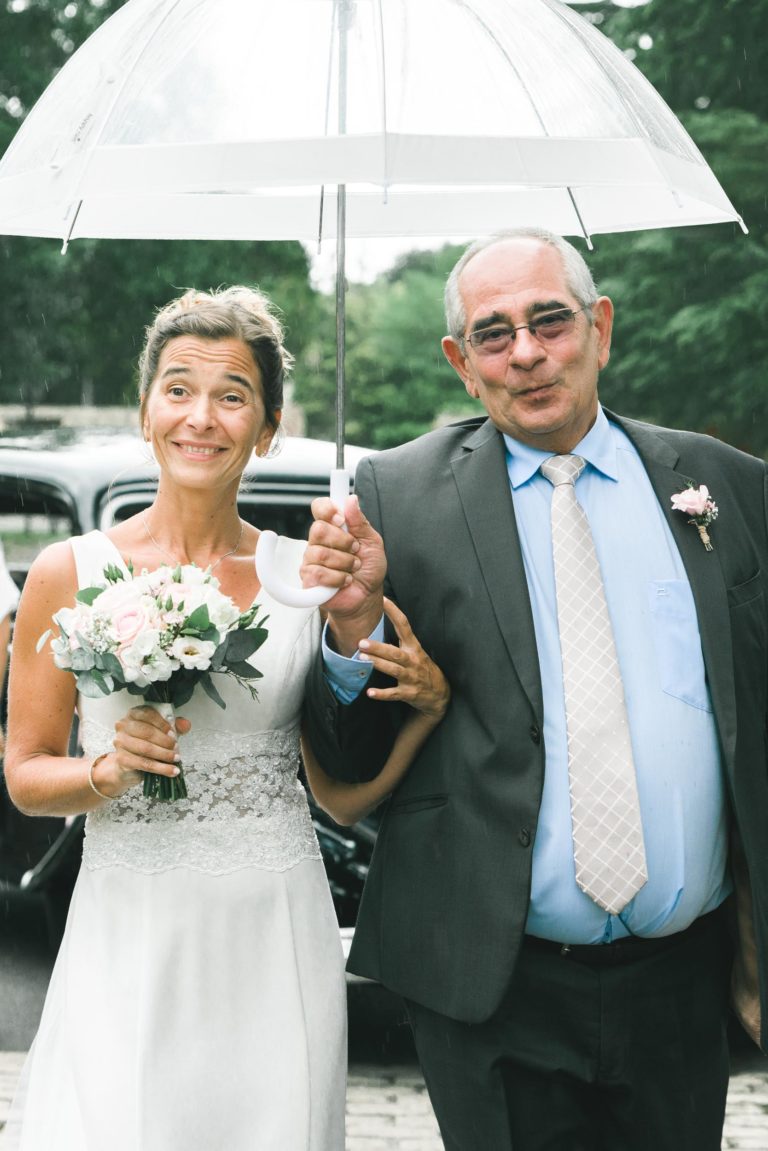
[(535, 733), (524, 836), (330, 715)]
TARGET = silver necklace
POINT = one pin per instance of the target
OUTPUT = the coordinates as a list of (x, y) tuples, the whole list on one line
[(176, 562)]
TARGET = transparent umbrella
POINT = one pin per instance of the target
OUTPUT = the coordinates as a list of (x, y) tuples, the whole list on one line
[(307, 119)]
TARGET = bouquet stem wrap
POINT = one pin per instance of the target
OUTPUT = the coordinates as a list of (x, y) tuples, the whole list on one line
[(165, 787)]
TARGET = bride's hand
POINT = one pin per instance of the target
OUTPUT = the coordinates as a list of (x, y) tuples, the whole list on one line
[(420, 682), (144, 742)]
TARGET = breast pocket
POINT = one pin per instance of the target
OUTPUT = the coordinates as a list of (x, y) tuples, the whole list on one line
[(678, 644)]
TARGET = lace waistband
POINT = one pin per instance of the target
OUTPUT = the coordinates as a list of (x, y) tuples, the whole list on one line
[(273, 842), (245, 808)]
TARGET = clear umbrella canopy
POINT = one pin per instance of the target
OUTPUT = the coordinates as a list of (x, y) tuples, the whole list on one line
[(222, 119), (228, 119)]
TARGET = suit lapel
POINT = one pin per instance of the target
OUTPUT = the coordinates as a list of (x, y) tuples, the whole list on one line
[(704, 573), (481, 478)]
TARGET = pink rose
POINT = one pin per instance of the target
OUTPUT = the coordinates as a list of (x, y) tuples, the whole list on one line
[(693, 501), (128, 621)]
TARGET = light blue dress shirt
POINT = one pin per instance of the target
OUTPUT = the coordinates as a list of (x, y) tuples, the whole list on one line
[(674, 740)]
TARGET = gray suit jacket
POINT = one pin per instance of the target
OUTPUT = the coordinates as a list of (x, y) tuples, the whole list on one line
[(447, 896)]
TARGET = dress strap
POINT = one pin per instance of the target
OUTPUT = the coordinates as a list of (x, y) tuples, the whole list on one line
[(92, 553)]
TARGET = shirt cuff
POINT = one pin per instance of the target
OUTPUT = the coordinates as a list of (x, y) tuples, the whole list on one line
[(347, 676)]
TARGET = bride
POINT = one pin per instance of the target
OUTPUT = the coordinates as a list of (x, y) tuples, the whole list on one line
[(198, 998)]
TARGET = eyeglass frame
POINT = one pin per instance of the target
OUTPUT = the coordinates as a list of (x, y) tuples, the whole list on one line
[(530, 325)]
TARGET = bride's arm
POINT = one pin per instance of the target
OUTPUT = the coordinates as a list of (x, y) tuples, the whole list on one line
[(422, 685), (42, 778)]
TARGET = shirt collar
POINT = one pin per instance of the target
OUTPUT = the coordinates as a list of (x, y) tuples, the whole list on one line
[(598, 448)]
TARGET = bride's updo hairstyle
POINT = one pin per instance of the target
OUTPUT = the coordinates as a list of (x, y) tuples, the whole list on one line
[(229, 313)]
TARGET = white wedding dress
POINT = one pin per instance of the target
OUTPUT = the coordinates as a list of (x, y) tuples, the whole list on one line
[(198, 999)]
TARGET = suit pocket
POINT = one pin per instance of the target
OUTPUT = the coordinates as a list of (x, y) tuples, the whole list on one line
[(743, 593), (417, 803), (678, 644)]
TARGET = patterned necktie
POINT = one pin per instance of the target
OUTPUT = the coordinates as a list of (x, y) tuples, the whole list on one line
[(607, 830)]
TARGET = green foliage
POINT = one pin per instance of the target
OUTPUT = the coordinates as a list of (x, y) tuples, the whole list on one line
[(701, 55), (73, 325), (690, 349), (398, 380)]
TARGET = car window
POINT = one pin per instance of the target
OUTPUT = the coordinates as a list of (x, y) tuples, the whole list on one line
[(33, 514), (277, 513)]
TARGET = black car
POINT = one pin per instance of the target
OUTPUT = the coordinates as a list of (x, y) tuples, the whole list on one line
[(59, 482)]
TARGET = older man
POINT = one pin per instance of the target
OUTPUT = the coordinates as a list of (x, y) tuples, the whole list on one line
[(551, 887)]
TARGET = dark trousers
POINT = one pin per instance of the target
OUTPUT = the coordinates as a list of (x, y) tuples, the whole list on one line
[(616, 1047)]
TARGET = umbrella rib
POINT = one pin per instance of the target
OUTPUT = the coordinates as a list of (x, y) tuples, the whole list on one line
[(584, 231), (70, 229), (489, 31)]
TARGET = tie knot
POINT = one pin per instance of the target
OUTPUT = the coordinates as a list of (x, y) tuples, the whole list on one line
[(563, 469)]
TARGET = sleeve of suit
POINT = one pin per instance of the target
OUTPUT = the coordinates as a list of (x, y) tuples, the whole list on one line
[(351, 741)]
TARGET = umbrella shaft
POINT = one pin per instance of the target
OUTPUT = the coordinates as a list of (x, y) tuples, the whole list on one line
[(341, 316), (341, 232)]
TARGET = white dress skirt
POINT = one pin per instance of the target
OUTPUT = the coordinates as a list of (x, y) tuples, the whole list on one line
[(198, 999)]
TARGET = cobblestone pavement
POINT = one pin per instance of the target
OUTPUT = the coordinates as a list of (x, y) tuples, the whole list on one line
[(388, 1108)]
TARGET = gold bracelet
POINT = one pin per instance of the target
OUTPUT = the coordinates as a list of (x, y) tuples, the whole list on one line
[(94, 762)]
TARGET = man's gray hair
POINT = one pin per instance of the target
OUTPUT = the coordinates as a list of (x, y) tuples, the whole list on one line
[(577, 275)]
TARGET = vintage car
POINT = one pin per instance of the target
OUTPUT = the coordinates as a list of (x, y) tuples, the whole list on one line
[(59, 482)]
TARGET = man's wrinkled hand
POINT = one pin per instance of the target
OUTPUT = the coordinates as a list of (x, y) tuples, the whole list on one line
[(349, 558)]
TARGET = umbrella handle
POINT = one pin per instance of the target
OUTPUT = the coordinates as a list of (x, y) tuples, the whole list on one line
[(266, 568)]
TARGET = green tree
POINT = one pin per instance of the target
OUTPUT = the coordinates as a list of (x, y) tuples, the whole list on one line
[(689, 350), (698, 55), (398, 380)]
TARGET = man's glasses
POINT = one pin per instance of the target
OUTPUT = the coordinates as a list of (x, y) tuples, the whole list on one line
[(547, 328)]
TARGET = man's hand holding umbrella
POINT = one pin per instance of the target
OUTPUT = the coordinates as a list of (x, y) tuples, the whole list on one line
[(348, 553)]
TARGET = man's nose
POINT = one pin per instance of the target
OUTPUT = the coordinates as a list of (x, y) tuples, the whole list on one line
[(525, 349)]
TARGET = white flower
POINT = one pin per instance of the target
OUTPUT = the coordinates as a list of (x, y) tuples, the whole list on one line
[(192, 652), (144, 649), (160, 667), (223, 613), (192, 574)]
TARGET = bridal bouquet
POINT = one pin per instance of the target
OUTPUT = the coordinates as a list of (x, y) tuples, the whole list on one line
[(157, 635)]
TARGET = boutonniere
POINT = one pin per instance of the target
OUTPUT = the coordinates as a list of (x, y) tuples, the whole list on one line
[(699, 505)]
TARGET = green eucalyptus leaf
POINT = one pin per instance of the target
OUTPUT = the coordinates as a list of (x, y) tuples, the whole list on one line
[(87, 595), (209, 688), (82, 659), (241, 644), (198, 621), (92, 684), (181, 690)]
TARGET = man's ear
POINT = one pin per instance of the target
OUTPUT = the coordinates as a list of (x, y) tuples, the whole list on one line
[(602, 310), (455, 356)]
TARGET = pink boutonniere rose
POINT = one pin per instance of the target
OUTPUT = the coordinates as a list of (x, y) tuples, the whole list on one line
[(699, 505)]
